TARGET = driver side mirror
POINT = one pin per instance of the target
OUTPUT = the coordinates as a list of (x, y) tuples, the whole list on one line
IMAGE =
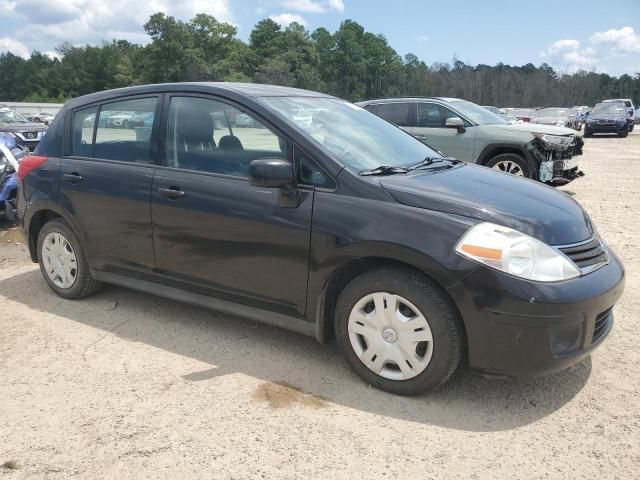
[(271, 173), (455, 122)]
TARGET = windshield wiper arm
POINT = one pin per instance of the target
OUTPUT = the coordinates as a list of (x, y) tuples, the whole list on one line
[(384, 170), (429, 160)]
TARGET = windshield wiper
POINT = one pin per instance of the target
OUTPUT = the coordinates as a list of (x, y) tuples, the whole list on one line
[(384, 170), (430, 160)]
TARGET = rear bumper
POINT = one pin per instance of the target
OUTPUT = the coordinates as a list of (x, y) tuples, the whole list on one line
[(520, 328)]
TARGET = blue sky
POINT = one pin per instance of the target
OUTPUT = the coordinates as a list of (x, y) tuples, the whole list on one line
[(595, 35)]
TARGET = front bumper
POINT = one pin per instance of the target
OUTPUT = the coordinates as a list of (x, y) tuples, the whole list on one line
[(520, 328), (591, 128), (558, 164)]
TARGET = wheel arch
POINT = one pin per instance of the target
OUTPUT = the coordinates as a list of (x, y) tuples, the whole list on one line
[(494, 149), (349, 270), (36, 218)]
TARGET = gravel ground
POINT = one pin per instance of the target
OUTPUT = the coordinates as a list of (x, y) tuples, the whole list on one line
[(126, 385)]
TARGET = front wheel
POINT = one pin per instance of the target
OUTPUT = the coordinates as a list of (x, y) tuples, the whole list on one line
[(623, 134), (631, 127), (397, 331), (63, 262), (513, 164)]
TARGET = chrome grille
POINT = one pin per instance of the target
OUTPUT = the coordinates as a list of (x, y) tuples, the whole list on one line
[(588, 255)]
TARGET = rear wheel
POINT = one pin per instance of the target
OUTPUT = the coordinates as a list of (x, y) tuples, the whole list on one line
[(513, 164), (63, 262), (397, 332), (587, 134)]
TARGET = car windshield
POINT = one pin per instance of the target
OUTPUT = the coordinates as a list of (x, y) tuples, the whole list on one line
[(609, 108), (477, 114), (552, 112), (357, 138), (8, 116)]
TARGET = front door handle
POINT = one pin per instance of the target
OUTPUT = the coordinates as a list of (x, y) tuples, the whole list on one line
[(173, 192), (72, 177)]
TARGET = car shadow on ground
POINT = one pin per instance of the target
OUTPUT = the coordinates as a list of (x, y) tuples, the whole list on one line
[(230, 346)]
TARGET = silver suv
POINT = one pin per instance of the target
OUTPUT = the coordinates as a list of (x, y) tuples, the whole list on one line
[(468, 132)]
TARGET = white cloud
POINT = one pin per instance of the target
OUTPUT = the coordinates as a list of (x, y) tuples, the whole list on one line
[(313, 6), (568, 55), (622, 41), (285, 19), (14, 46), (423, 38), (90, 21)]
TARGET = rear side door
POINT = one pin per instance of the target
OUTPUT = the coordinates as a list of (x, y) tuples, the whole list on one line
[(215, 232), (105, 181), (430, 129)]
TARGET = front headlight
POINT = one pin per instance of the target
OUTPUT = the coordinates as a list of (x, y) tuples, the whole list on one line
[(515, 253), (553, 139)]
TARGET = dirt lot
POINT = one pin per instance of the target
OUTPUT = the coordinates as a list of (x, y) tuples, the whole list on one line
[(125, 385)]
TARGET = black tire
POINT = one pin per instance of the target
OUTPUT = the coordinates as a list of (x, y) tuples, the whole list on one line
[(623, 134), (84, 284), (631, 127), (125, 124), (10, 212), (587, 134), (527, 167), (446, 328)]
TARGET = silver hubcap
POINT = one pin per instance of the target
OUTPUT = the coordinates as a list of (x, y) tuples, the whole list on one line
[(59, 260), (390, 336), (507, 166)]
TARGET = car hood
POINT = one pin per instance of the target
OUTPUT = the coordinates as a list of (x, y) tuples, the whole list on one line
[(22, 127), (529, 127), (485, 194)]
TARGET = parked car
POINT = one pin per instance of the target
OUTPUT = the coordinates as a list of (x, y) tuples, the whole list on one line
[(608, 117), (630, 108), (10, 156), (468, 132), (244, 120), (141, 120), (495, 110), (346, 227), (519, 115), (27, 133), (41, 117), (560, 117)]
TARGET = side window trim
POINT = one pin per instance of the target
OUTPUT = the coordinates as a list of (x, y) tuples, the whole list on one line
[(298, 173)]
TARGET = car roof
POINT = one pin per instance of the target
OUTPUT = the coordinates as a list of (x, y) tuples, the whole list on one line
[(242, 89), (410, 99)]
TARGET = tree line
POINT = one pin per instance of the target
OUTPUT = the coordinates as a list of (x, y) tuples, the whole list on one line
[(350, 63)]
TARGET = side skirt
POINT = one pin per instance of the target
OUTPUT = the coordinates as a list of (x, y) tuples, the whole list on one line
[(263, 316)]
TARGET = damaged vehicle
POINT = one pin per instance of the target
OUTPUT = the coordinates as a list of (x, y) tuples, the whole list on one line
[(466, 131), (26, 133)]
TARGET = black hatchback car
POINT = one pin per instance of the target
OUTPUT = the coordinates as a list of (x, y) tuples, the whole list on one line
[(319, 217)]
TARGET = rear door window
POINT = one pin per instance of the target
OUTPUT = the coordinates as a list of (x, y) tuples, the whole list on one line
[(123, 130), (397, 112)]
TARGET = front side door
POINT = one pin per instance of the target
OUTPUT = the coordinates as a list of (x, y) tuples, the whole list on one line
[(105, 181), (215, 231), (430, 128)]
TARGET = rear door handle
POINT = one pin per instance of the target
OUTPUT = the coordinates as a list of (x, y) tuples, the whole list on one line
[(72, 177), (173, 192)]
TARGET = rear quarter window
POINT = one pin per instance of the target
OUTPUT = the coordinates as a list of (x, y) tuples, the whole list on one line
[(397, 112)]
